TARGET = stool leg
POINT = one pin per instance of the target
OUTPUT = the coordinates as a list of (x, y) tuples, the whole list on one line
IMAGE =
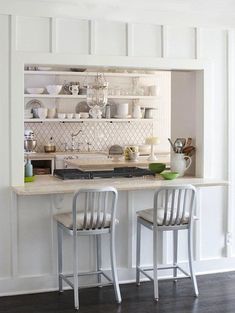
[(138, 245), (60, 256), (155, 273), (175, 252), (75, 271), (98, 255), (193, 277), (114, 267)]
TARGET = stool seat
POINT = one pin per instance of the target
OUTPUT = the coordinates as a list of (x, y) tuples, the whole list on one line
[(147, 215), (66, 219)]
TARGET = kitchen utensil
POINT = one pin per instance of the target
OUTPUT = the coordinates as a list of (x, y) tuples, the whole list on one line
[(84, 115), (169, 175), (157, 167), (74, 89), (122, 109), (188, 150), (33, 104), (51, 113), (50, 146), (40, 113), (134, 156), (150, 113), (61, 115), (116, 152), (179, 163), (30, 145), (189, 142), (81, 107), (69, 115), (129, 150), (153, 91), (178, 145), (136, 112), (171, 143), (35, 90), (54, 89)]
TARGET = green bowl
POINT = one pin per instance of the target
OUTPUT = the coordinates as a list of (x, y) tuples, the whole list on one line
[(29, 179), (157, 168), (169, 175)]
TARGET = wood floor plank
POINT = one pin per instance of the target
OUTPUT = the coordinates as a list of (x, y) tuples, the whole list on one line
[(217, 295)]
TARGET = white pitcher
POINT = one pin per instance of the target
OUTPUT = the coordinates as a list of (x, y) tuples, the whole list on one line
[(180, 163)]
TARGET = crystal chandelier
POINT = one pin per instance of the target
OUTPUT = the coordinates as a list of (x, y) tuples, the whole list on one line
[(97, 95)]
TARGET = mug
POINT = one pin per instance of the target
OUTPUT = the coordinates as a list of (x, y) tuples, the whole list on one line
[(122, 109), (74, 89)]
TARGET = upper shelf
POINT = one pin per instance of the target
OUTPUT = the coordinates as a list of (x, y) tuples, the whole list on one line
[(108, 74), (84, 97)]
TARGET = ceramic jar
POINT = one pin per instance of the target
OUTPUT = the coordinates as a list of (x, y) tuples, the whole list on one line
[(180, 163)]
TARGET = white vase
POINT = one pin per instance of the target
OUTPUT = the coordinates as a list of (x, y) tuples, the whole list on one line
[(180, 163)]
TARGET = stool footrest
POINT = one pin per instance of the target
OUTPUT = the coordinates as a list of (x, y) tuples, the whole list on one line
[(143, 270), (67, 276)]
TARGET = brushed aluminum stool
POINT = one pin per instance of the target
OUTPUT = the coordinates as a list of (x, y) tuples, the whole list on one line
[(173, 211), (96, 218)]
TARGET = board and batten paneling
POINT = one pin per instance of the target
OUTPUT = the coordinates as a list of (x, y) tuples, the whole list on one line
[(110, 38), (146, 40), (5, 219), (213, 46), (181, 42), (72, 36), (33, 34)]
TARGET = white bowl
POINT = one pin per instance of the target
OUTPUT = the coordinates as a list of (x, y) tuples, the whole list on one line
[(35, 90), (61, 115), (54, 89), (77, 115)]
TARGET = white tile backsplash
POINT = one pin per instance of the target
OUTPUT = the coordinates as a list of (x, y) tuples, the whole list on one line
[(100, 135)]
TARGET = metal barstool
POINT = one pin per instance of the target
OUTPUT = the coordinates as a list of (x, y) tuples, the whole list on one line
[(96, 218), (173, 211)]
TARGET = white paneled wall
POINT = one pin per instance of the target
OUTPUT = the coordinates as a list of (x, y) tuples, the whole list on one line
[(147, 40), (110, 38), (181, 42), (131, 43), (72, 36), (5, 238), (33, 34)]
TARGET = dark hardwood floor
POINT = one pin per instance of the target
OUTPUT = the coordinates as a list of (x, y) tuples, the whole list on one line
[(217, 295)]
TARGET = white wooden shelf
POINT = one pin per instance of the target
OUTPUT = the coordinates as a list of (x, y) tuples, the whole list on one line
[(66, 120), (108, 74), (84, 97)]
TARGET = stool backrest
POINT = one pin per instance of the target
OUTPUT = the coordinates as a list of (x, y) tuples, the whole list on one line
[(97, 207), (176, 203)]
